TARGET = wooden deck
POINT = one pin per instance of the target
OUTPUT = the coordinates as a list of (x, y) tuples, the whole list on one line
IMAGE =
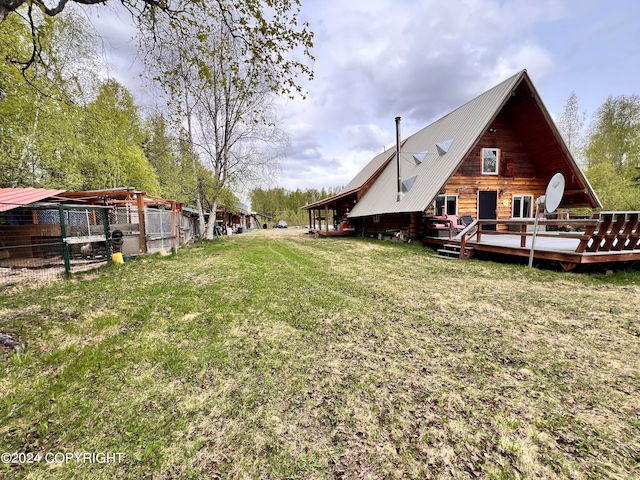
[(612, 240)]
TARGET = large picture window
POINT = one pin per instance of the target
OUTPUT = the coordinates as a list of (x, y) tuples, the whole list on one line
[(446, 205), (522, 206), (490, 161)]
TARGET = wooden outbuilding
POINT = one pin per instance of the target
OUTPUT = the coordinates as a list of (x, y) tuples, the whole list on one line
[(149, 223), (55, 229)]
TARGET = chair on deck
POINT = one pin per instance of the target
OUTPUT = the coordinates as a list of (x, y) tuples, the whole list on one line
[(458, 226), (465, 220), (450, 226)]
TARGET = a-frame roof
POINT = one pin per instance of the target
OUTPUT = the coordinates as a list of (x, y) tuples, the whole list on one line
[(447, 142), (431, 156), (463, 126)]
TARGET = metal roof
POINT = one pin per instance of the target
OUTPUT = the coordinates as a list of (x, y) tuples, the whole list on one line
[(15, 197), (369, 169), (454, 134)]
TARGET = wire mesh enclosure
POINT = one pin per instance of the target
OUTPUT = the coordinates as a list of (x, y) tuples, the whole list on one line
[(161, 229), (45, 240), (126, 220), (45, 233)]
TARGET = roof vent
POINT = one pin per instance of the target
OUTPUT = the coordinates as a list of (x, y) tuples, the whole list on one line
[(408, 183), (419, 157), (443, 147)]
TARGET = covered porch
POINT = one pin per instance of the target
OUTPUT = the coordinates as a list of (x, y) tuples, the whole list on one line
[(329, 217)]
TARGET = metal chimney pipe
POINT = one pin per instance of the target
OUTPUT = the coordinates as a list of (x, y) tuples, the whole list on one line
[(400, 194)]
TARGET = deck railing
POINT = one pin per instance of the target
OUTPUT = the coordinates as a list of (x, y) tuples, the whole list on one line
[(605, 232)]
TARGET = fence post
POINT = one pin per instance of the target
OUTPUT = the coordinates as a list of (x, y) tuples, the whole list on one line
[(66, 252), (174, 228), (107, 243)]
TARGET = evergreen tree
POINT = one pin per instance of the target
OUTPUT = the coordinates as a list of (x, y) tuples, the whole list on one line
[(281, 204)]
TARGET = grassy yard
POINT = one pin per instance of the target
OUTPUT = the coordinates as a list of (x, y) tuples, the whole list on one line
[(284, 356)]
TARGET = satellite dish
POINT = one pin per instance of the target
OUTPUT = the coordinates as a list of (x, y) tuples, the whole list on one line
[(555, 190), (551, 199)]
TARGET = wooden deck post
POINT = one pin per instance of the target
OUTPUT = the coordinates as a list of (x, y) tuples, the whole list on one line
[(326, 218), (598, 235), (141, 227), (174, 233), (611, 237)]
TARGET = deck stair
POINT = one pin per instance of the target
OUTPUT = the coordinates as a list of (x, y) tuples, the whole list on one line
[(452, 251)]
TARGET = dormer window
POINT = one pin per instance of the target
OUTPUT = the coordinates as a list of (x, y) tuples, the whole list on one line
[(490, 161)]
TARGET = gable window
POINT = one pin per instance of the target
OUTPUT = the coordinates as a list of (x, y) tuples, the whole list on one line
[(446, 205), (521, 206), (490, 161)]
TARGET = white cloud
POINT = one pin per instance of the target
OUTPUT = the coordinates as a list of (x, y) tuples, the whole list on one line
[(378, 59)]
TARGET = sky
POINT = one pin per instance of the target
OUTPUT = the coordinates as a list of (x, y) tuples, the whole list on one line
[(420, 59)]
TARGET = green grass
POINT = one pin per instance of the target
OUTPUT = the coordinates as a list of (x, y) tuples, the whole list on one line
[(285, 356)]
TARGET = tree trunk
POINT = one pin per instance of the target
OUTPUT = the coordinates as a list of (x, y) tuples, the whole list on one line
[(211, 225), (194, 170)]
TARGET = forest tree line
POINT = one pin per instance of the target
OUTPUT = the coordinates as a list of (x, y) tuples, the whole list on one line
[(62, 126), (608, 148), (280, 204)]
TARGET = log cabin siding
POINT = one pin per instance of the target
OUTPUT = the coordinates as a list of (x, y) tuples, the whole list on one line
[(518, 173)]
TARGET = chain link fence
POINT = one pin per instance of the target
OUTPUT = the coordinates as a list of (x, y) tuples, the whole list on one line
[(126, 220), (47, 240), (43, 241), (161, 230)]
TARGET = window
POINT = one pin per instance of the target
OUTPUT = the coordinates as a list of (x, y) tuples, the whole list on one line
[(490, 161), (446, 205), (521, 206)]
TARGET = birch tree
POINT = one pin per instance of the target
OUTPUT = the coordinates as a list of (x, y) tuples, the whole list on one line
[(225, 104), (238, 137), (571, 123), (269, 32), (38, 132)]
